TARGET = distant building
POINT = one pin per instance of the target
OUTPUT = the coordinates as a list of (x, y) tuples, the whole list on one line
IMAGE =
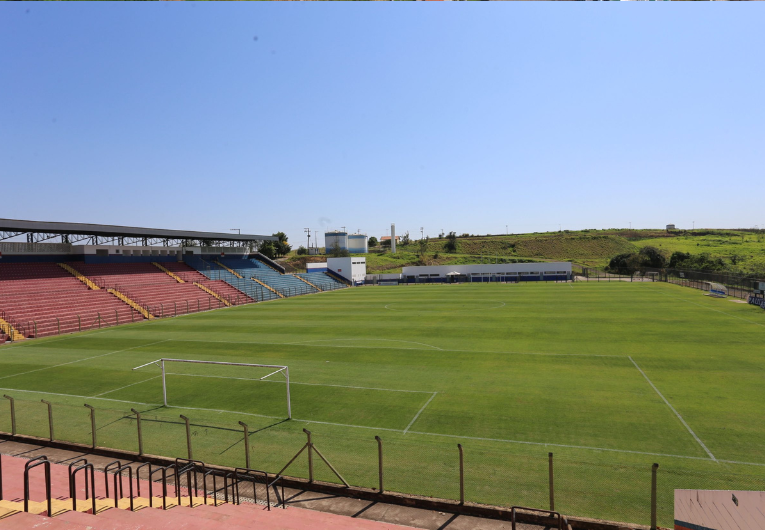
[(670, 227), (387, 238)]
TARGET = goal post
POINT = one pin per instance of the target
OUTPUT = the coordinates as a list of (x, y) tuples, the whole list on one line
[(284, 370)]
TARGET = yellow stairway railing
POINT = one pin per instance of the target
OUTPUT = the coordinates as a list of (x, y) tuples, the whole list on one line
[(280, 295), (172, 275), (232, 271), (131, 303), (212, 293), (8, 330), (79, 276), (309, 283), (341, 280)]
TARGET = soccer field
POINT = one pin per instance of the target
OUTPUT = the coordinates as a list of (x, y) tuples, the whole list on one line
[(610, 377)]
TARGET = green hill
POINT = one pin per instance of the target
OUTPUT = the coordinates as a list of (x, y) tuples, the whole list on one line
[(731, 250)]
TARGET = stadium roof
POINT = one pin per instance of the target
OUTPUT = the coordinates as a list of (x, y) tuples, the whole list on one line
[(38, 231)]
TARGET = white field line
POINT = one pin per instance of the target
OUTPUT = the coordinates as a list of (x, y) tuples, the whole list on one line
[(420, 412), (711, 308), (676, 413), (520, 442), (127, 386), (387, 340), (85, 359), (395, 348), (296, 383), (83, 397)]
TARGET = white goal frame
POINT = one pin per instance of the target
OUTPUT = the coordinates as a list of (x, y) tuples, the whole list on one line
[(284, 370)]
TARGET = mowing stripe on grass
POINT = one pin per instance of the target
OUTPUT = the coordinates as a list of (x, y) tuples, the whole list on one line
[(127, 386), (296, 383), (395, 348), (521, 442), (387, 340), (420, 412), (676, 413), (712, 309), (85, 359)]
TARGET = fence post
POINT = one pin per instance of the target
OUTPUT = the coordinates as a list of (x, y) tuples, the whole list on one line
[(50, 417), (188, 435), (246, 444), (462, 475), (79, 323), (653, 496), (175, 308), (140, 434), (187, 307), (92, 424), (380, 461), (58, 323), (116, 317), (552, 487), (99, 319), (310, 456), (13, 414)]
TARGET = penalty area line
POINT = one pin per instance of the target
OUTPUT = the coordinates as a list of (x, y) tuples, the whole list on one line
[(127, 386), (673, 410), (420, 412)]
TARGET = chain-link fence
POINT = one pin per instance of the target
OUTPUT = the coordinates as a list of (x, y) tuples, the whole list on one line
[(612, 486), (738, 285)]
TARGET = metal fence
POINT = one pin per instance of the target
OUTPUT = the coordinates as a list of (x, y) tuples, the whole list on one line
[(610, 486), (738, 285)]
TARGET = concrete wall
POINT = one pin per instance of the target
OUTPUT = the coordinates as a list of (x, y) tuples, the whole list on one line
[(719, 509)]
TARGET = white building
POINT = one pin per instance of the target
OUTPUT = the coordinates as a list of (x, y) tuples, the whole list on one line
[(335, 238), (524, 272), (352, 269)]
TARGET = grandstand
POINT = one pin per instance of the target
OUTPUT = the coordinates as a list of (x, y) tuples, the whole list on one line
[(126, 274)]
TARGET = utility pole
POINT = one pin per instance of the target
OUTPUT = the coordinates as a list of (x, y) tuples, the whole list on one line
[(308, 230), (237, 230), (343, 229), (507, 232), (422, 232)]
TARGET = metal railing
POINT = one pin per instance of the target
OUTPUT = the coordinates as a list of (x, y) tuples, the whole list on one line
[(33, 463)]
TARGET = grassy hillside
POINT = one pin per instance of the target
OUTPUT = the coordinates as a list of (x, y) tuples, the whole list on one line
[(740, 251)]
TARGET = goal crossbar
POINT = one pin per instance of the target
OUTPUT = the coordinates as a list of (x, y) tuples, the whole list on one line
[(284, 370)]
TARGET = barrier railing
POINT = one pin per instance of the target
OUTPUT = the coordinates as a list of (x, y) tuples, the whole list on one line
[(33, 463)]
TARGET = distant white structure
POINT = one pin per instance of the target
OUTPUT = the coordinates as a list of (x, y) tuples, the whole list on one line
[(358, 243), (335, 237), (352, 269), (393, 238), (670, 227), (523, 272)]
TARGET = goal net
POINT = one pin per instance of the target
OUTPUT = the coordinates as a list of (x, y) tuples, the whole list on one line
[(717, 290), (259, 389)]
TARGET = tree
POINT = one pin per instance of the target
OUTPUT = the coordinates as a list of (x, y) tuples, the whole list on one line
[(451, 242), (301, 251), (422, 248), (405, 239), (372, 242), (652, 257), (268, 249), (337, 252), (281, 247)]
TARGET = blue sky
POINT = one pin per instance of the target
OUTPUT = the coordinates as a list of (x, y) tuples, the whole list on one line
[(465, 117)]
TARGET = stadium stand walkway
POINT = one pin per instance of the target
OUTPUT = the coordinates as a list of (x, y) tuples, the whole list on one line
[(202, 514), (40, 299), (287, 284), (305, 510)]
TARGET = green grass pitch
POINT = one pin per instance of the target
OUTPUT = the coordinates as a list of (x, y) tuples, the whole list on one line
[(610, 377)]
